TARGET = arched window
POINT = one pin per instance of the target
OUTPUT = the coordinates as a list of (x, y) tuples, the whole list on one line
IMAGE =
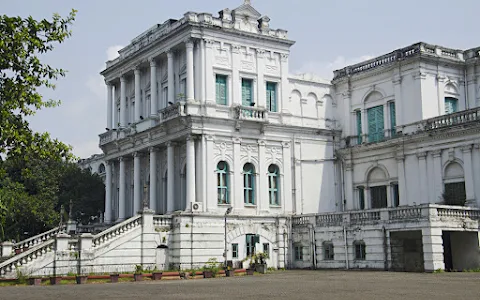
[(273, 185), (451, 105), (222, 183), (249, 183), (101, 169), (454, 181)]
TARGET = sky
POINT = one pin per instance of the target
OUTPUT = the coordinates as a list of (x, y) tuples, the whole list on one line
[(329, 35)]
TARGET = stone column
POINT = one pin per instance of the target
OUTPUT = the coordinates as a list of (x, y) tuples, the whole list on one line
[(108, 192), (123, 102), (109, 106), (209, 84), (468, 174), (349, 197), (437, 176), (422, 172), (298, 179), (347, 108), (284, 85), (364, 118), (286, 193), (441, 94), (170, 177), (190, 76), (402, 190), (121, 197), (171, 78), (137, 188), (432, 249), (202, 71), (261, 86), (153, 88), (191, 195), (153, 178), (211, 200), (236, 80), (263, 201), (138, 94), (397, 83)]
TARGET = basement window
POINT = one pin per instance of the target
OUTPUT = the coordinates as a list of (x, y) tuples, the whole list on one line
[(360, 250), (328, 253)]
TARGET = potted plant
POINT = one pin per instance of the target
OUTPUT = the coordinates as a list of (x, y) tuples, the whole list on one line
[(156, 274), (260, 263), (138, 275), (251, 265), (114, 277), (229, 272), (34, 281), (54, 280), (81, 279), (210, 270)]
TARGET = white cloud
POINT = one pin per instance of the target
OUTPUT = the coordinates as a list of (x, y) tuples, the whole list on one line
[(325, 69)]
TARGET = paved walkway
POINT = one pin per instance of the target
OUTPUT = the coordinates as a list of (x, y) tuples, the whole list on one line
[(331, 285)]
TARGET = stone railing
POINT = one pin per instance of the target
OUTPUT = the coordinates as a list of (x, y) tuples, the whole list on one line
[(388, 215), (172, 111), (107, 137), (117, 230), (458, 118), (10, 265), (400, 54), (160, 220), (38, 239), (251, 113)]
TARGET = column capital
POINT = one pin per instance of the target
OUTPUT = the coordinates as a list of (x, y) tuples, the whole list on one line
[(190, 137), (209, 43), (121, 158), (441, 77), (348, 166), (421, 155), (284, 57), (188, 43), (209, 137), (261, 143), (466, 148), (137, 154), (399, 157), (236, 48), (169, 52), (397, 79), (260, 53), (171, 144), (123, 78), (152, 61), (237, 140), (437, 153), (109, 83), (286, 144), (152, 149), (136, 70)]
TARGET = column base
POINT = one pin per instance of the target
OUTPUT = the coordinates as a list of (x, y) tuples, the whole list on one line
[(471, 203)]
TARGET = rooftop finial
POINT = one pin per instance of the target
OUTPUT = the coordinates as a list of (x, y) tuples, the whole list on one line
[(248, 2)]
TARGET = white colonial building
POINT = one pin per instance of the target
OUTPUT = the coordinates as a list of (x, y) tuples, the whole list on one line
[(375, 169)]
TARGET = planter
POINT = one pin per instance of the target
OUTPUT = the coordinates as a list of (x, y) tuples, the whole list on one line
[(156, 275), (34, 281), (261, 268), (55, 280), (114, 278), (138, 277), (250, 271), (229, 273), (207, 274), (82, 279)]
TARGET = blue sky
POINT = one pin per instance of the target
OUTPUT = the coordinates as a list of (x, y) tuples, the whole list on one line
[(329, 35)]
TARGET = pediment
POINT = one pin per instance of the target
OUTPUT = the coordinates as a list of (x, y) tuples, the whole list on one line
[(246, 10)]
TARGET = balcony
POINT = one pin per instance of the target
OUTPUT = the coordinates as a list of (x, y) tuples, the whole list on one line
[(248, 113), (461, 118), (425, 212)]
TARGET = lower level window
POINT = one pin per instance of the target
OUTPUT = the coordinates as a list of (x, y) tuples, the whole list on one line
[(360, 251), (298, 252), (328, 253), (251, 241), (234, 250), (455, 193)]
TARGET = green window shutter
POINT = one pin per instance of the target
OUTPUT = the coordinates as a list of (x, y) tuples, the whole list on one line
[(393, 119), (375, 124), (221, 89), (359, 126), (450, 105), (247, 98), (272, 96)]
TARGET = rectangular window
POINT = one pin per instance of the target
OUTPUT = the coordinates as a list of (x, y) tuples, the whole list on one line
[(251, 241), (360, 251), (396, 195), (378, 196), (266, 248), (221, 89), (183, 90), (361, 197), (455, 193), (359, 127), (328, 251), (450, 105), (247, 92), (393, 119), (234, 250), (375, 124), (271, 96), (298, 253), (165, 97)]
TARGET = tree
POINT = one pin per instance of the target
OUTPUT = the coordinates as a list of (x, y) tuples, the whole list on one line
[(21, 74)]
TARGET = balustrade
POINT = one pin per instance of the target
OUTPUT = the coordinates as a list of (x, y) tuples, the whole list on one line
[(10, 265), (38, 239), (251, 113), (116, 231), (162, 221)]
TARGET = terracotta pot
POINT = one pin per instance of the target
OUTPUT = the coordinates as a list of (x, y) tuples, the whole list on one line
[(34, 281), (138, 277), (82, 279), (156, 275), (55, 280), (229, 273), (207, 274), (250, 271), (114, 278)]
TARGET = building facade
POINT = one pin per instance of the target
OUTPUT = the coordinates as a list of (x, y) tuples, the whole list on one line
[(213, 150)]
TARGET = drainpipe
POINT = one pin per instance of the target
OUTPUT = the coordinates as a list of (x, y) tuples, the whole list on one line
[(342, 171), (465, 86), (346, 246), (191, 242), (313, 242), (385, 248)]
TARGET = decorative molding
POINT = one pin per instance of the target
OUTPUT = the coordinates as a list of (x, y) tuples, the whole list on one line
[(261, 143), (419, 75), (209, 137), (466, 148), (237, 140), (284, 57), (397, 79), (421, 155), (437, 153), (286, 144), (236, 48)]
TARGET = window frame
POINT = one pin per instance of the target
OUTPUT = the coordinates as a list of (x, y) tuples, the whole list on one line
[(274, 192), (375, 112), (249, 176), (298, 252), (235, 250), (453, 101), (360, 250), (358, 116), (328, 251), (217, 77), (223, 177), (252, 94), (275, 96)]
